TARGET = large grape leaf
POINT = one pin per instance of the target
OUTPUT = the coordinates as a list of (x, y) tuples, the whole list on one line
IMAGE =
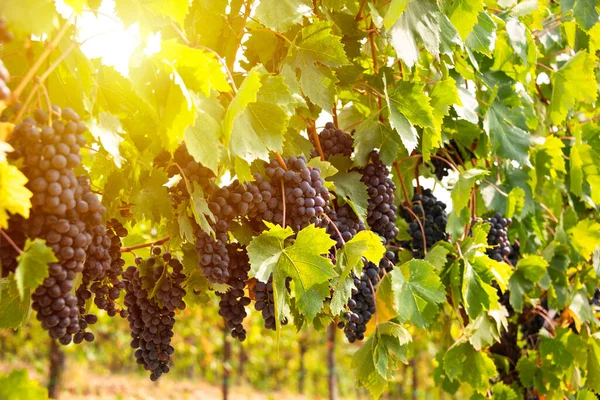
[(33, 265), (585, 236), (14, 196), (585, 164), (463, 15), (593, 363), (107, 130), (482, 38), (478, 295), (17, 386), (150, 197), (281, 14), (586, 13), (395, 9), (14, 310), (575, 81), (421, 22), (417, 292), (349, 187), (508, 140), (315, 43), (151, 14), (461, 193), (21, 20), (302, 261), (464, 363), (443, 95)]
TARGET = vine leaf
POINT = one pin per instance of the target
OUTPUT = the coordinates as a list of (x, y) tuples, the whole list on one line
[(530, 269), (19, 15), (349, 258), (373, 134), (482, 38), (14, 196), (585, 164), (379, 355), (302, 261), (586, 14), (17, 385), (106, 129), (584, 237), (485, 330), (151, 14), (464, 363), (280, 15), (315, 43), (478, 295), (150, 197), (349, 187), (461, 194), (417, 292), (443, 95), (463, 15), (508, 140), (593, 364), (33, 265), (396, 8), (574, 81), (14, 308)]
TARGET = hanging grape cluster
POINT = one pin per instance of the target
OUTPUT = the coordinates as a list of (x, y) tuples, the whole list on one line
[(333, 142), (233, 302), (428, 217), (382, 211), (347, 224), (498, 237), (151, 318), (265, 303)]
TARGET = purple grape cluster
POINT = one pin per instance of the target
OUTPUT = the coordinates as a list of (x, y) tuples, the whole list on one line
[(381, 215), (214, 258), (265, 303), (151, 319), (498, 237), (334, 142), (346, 223), (233, 302), (431, 214)]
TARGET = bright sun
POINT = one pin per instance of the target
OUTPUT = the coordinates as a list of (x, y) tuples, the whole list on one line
[(104, 36)]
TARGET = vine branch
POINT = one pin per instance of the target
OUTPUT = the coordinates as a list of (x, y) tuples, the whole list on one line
[(141, 246), (11, 242)]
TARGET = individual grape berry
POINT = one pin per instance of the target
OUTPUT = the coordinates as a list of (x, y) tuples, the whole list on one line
[(152, 319), (233, 302), (431, 214), (381, 212), (265, 303), (334, 142), (498, 237)]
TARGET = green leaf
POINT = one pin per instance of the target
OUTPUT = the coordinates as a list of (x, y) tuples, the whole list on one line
[(585, 395), (478, 295), (17, 386), (461, 194), (316, 43), (533, 267), (374, 134), (574, 81), (422, 21), (279, 15), (395, 9), (417, 291), (585, 164), (500, 391), (508, 140), (464, 363), (482, 38), (349, 187), (151, 14), (106, 129), (33, 265), (13, 309), (150, 197), (303, 262), (463, 15), (593, 364), (515, 202), (443, 95), (19, 16), (585, 236), (203, 138), (437, 256), (200, 208), (14, 196), (318, 83), (486, 329), (586, 14)]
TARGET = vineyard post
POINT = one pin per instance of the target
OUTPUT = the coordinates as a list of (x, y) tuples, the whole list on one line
[(57, 366), (226, 366), (332, 383)]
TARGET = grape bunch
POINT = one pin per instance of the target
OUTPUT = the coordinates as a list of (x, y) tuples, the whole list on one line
[(252, 200), (334, 142), (214, 258), (451, 152), (346, 221), (497, 237), (4, 78), (151, 319), (265, 303), (5, 34), (532, 321), (232, 304), (381, 215), (362, 303), (305, 194), (431, 214)]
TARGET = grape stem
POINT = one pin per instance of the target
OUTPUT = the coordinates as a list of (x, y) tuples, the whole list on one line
[(334, 114), (10, 241), (141, 246), (420, 226), (240, 35), (313, 132), (283, 199), (38, 63), (401, 179), (280, 161), (335, 228)]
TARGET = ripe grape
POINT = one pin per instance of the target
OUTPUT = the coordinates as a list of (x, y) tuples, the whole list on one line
[(346, 221), (431, 214), (334, 142), (265, 303), (497, 238), (212, 249), (233, 302), (381, 215)]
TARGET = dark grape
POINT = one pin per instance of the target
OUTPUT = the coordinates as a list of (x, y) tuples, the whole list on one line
[(334, 142), (432, 220), (212, 249), (265, 303), (381, 215), (152, 319), (346, 223), (233, 302), (497, 237)]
